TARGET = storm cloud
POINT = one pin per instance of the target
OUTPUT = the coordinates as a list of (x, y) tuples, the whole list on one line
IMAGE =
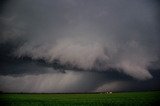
[(85, 36)]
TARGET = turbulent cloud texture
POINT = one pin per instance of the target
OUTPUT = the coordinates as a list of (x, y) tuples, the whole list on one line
[(88, 35)]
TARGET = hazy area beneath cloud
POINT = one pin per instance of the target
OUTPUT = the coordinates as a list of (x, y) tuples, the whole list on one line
[(70, 81), (89, 35), (73, 81)]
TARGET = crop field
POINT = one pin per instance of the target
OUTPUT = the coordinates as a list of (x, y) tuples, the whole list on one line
[(97, 99)]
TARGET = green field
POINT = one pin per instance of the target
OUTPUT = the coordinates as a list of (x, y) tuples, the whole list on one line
[(122, 99)]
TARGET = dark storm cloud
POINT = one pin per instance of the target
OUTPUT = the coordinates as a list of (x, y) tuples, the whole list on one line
[(118, 38)]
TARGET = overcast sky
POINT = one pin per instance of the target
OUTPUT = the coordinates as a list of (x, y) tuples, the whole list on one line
[(79, 45)]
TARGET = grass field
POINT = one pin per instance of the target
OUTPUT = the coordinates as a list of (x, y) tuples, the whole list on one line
[(120, 99)]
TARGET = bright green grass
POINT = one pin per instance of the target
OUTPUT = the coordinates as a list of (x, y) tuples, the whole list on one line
[(120, 99)]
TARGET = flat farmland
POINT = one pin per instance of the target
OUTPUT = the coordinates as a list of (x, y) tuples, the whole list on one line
[(95, 99)]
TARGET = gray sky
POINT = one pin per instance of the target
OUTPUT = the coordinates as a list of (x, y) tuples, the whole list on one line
[(79, 45)]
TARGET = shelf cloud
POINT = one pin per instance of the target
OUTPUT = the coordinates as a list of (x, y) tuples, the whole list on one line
[(87, 36)]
